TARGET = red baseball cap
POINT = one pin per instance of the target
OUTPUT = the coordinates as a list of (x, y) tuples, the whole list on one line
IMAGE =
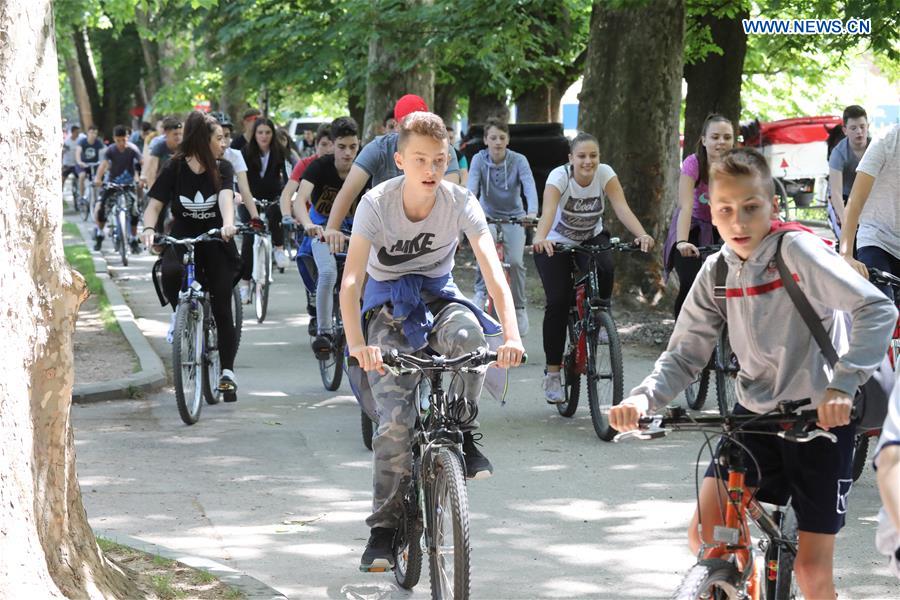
[(409, 103)]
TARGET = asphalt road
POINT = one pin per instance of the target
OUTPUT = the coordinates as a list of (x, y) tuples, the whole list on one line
[(278, 484)]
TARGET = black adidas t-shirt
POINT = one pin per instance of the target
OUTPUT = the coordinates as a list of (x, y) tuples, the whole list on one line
[(193, 199)]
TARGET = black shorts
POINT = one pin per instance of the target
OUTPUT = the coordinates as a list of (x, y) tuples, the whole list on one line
[(68, 170), (815, 476)]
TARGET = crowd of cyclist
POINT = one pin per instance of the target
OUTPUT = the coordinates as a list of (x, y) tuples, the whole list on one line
[(334, 190)]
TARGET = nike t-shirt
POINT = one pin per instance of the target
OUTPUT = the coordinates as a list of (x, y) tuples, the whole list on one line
[(193, 198), (403, 247)]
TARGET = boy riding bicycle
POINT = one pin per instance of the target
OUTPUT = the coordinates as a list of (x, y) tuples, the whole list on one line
[(405, 234), (778, 356)]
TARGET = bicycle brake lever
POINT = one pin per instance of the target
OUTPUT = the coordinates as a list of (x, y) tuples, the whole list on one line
[(652, 433), (807, 436)]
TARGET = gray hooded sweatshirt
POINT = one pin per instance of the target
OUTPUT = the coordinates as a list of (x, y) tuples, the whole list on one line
[(778, 356), (499, 187)]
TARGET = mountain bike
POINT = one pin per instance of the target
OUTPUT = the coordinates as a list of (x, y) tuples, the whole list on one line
[(85, 204), (498, 244), (261, 274), (331, 369), (195, 353), (121, 200), (861, 443), (727, 568), (695, 393), (436, 505), (592, 344)]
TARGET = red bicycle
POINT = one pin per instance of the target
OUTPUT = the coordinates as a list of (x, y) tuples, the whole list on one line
[(498, 244)]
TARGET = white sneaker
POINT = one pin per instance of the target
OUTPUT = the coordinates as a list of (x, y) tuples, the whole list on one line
[(244, 289), (553, 391), (522, 320), (479, 300), (170, 336), (281, 259)]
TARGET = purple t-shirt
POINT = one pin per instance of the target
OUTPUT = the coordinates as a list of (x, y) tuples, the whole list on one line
[(691, 168)]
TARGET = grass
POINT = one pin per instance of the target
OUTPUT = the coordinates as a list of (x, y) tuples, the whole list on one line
[(162, 585), (109, 545), (71, 229), (204, 576), (234, 594), (79, 258), (161, 561)]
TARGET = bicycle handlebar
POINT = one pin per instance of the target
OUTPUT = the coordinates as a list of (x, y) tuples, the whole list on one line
[(880, 277), (478, 358), (211, 235), (614, 244), (676, 418), (523, 221)]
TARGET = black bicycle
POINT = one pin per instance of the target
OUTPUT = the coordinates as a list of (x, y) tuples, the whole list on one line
[(436, 504), (726, 569), (121, 200), (592, 346)]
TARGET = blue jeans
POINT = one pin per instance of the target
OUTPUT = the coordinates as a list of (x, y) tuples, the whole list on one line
[(328, 273), (879, 258)]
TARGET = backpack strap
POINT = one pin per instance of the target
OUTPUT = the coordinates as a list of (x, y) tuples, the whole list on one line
[(719, 291), (801, 303)]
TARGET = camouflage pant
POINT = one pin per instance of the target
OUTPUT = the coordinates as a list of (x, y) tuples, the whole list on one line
[(456, 331)]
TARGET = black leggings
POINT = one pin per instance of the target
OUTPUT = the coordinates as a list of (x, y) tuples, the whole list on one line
[(216, 264), (879, 258), (273, 214), (687, 268), (556, 275)]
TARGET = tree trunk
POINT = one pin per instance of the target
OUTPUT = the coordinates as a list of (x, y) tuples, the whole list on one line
[(635, 118), (533, 106), (385, 82), (47, 546), (714, 85), (556, 94), (445, 102), (484, 105), (88, 74), (356, 107), (150, 52), (82, 101)]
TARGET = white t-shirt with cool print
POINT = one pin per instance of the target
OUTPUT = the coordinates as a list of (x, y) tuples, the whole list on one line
[(579, 215)]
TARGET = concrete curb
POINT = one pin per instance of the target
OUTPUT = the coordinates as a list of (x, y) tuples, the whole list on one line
[(249, 586), (152, 373)]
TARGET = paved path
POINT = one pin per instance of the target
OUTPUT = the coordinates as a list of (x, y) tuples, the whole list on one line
[(278, 484)]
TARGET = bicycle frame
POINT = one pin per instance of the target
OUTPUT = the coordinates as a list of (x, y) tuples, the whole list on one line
[(498, 246)]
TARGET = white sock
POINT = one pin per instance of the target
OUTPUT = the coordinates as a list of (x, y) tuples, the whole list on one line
[(229, 374)]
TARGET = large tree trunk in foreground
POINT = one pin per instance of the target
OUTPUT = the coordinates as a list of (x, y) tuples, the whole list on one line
[(635, 117), (46, 544), (714, 84)]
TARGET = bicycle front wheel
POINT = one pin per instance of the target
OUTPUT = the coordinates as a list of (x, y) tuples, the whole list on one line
[(449, 561), (713, 579), (212, 366), (86, 202), (695, 393), (187, 360), (604, 373), (726, 375), (237, 313), (121, 244), (263, 268), (571, 378)]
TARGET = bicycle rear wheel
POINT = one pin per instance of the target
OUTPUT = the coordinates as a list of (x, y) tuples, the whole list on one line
[(570, 375), (695, 393), (780, 583), (212, 366), (726, 375), (237, 313), (121, 245), (860, 453), (408, 543), (712, 579), (604, 373), (449, 562), (187, 360), (263, 269)]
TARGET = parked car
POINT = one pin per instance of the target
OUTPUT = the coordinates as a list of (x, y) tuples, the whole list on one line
[(296, 127)]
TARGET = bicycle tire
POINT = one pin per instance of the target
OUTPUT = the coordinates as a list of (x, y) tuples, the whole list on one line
[(726, 395), (237, 313), (368, 429), (597, 353), (261, 295), (784, 586), (408, 545), (331, 370), (860, 453), (84, 205), (185, 354), (450, 502), (784, 201), (570, 376), (695, 394), (711, 579), (121, 245), (212, 365)]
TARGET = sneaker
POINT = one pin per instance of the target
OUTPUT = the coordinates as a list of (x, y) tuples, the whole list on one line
[(170, 335), (477, 464), (227, 386), (98, 241), (313, 326), (281, 259), (378, 556), (135, 246), (323, 345), (244, 289), (479, 300), (522, 320), (553, 391)]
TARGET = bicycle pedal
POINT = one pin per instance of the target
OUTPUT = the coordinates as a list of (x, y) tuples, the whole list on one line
[(726, 535)]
